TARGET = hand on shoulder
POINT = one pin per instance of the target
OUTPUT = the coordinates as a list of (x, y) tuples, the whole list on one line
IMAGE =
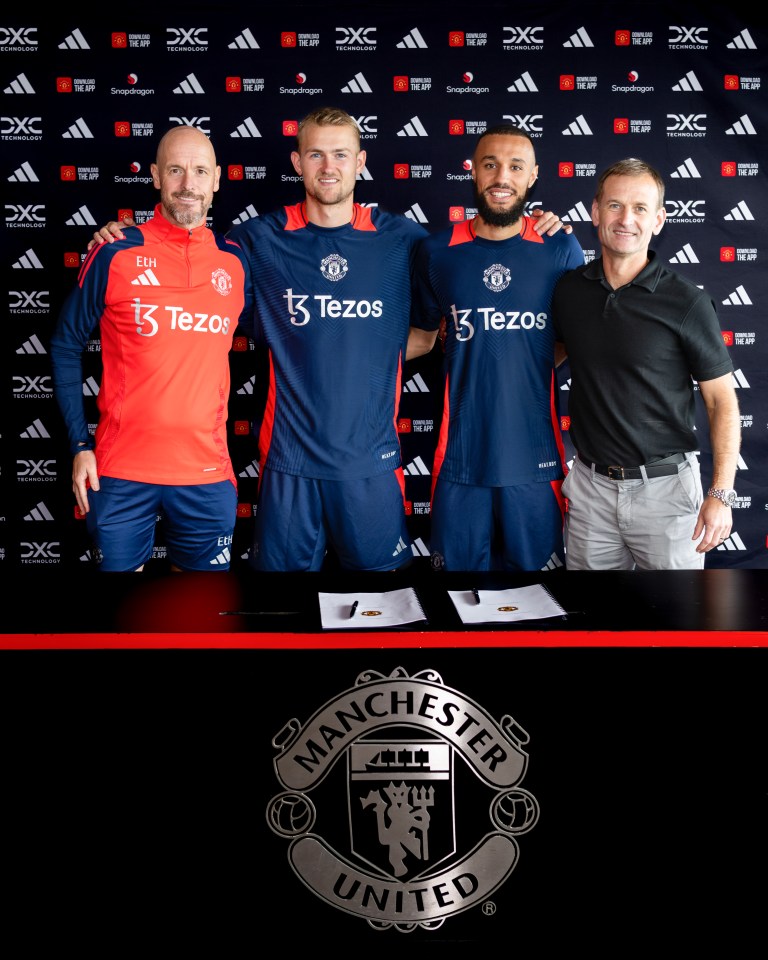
[(112, 231)]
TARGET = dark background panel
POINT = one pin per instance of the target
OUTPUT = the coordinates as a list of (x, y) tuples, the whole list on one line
[(689, 83)]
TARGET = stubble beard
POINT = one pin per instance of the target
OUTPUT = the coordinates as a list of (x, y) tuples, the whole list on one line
[(184, 215), (339, 195)]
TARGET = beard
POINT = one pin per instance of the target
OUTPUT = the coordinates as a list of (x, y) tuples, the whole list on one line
[(183, 214), (499, 218)]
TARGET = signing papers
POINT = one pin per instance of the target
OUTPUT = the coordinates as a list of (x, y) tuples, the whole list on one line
[(505, 606), (361, 611)]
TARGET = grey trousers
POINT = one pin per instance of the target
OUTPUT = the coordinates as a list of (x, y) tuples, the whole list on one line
[(642, 524)]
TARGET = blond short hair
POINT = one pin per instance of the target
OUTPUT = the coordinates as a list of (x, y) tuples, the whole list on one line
[(328, 117)]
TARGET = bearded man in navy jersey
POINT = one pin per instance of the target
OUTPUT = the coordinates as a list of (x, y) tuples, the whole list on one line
[(499, 463)]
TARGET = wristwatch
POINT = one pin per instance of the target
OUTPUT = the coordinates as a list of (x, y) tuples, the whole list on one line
[(727, 496)]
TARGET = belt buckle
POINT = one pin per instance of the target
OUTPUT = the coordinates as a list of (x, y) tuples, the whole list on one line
[(615, 473)]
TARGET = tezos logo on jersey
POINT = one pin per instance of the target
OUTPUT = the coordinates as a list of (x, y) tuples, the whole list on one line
[(334, 267), (389, 745), (497, 277), (222, 282), (148, 321)]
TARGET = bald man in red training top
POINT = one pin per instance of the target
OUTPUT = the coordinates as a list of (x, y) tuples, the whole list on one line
[(166, 299)]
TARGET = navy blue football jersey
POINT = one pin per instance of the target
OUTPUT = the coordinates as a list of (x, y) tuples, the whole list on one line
[(333, 306), (499, 425)]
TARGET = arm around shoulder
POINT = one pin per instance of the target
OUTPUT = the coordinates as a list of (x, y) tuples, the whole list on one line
[(420, 342)]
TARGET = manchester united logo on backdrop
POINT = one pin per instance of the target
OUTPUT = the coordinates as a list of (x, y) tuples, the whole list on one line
[(370, 804)]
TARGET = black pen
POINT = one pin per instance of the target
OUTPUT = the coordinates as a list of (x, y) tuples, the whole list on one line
[(476, 594), (353, 608)]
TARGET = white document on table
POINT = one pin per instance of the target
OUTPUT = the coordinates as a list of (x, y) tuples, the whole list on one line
[(505, 606), (361, 611)]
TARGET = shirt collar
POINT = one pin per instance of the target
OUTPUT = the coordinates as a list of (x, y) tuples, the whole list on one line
[(648, 276)]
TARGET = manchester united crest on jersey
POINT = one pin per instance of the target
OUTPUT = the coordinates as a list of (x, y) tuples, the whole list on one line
[(222, 282), (497, 277), (334, 267)]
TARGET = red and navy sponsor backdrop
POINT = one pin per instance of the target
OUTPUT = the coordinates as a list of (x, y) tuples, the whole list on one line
[(85, 98)]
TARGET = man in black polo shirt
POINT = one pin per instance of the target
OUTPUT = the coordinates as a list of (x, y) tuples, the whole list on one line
[(637, 335)]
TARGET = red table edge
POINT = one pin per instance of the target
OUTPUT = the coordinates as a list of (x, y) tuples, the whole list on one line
[(347, 640)]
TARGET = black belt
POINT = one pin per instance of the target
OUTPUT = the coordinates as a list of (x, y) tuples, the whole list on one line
[(659, 468)]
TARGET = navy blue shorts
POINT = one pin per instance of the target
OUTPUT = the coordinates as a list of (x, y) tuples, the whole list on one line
[(497, 528), (198, 523), (298, 518)]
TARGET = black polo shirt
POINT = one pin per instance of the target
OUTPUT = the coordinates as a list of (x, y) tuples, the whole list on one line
[(634, 354)]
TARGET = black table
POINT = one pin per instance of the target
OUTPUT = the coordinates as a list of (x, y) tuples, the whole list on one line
[(590, 783)]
